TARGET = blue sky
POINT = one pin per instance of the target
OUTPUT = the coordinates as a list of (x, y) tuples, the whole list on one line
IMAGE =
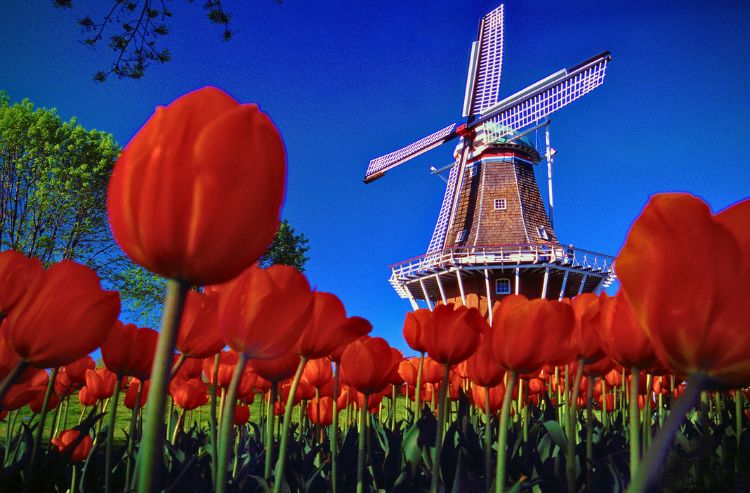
[(348, 81)]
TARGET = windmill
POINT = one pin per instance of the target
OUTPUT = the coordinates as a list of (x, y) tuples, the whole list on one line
[(493, 236)]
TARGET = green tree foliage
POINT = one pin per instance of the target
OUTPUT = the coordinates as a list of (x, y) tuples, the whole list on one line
[(288, 248), (53, 177)]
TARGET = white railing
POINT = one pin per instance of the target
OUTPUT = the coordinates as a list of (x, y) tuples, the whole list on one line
[(522, 254)]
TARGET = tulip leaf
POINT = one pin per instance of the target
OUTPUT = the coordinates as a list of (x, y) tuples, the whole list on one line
[(558, 436), (410, 445)]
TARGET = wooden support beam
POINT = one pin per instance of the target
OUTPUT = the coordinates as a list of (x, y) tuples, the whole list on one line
[(461, 286), (426, 296), (489, 294)]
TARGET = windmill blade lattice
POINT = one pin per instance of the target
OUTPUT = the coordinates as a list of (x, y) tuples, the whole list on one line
[(532, 106), (381, 164), (485, 88)]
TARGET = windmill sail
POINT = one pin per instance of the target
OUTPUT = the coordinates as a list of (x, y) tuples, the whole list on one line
[(483, 84), (380, 165)]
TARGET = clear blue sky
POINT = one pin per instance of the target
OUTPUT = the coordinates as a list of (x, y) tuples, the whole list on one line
[(348, 81)]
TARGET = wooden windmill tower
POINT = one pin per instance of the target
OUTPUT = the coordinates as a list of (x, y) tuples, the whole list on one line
[(493, 236)]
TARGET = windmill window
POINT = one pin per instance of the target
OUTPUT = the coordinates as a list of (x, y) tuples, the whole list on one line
[(461, 236), (502, 286), (500, 204), (473, 170), (542, 232)]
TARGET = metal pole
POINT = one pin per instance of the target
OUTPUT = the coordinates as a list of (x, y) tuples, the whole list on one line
[(562, 290), (518, 280), (426, 296), (414, 305), (489, 294), (461, 286), (440, 287), (548, 157), (583, 283), (545, 282)]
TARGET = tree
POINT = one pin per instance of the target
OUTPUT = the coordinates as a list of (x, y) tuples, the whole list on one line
[(53, 178), (135, 27), (288, 248)]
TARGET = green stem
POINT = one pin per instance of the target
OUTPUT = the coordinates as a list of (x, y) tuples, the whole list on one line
[(212, 418), (664, 439), (589, 430), (559, 397), (281, 463), (635, 445), (177, 365), (570, 456), (150, 454), (502, 436), (738, 408), (363, 418), (418, 389), (227, 425), (73, 479), (441, 427), (269, 430), (178, 426), (111, 437), (335, 429), (487, 438), (131, 435), (42, 418), (605, 418)]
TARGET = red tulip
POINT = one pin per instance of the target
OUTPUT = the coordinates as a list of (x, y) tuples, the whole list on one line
[(64, 316), (190, 367), (196, 194), (227, 362), (527, 334), (188, 394), (686, 273), (416, 325), (24, 392), (622, 335), (585, 341), (132, 393), (320, 412), (263, 312), (432, 371), (408, 369), (277, 369), (481, 367), (129, 350), (67, 442), (454, 333), (497, 394), (77, 370), (17, 274), (329, 328), (8, 358), (241, 415), (86, 397), (199, 335), (318, 372), (101, 383), (367, 364)]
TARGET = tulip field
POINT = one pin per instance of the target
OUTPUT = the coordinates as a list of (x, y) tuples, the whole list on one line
[(257, 382)]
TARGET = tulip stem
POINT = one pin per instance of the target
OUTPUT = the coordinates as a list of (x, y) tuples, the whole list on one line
[(664, 439), (441, 427), (10, 378), (177, 365), (151, 451), (42, 418), (487, 438), (589, 430), (570, 459), (633, 422), (502, 435), (363, 418), (227, 424), (737, 425), (269, 430), (212, 417), (335, 428), (131, 435), (418, 389), (281, 463), (111, 437)]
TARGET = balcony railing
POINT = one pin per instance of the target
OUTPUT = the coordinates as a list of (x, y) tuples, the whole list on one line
[(489, 255)]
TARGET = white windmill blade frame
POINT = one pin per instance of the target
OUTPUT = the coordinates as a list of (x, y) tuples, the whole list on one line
[(380, 165), (543, 98), (486, 64)]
